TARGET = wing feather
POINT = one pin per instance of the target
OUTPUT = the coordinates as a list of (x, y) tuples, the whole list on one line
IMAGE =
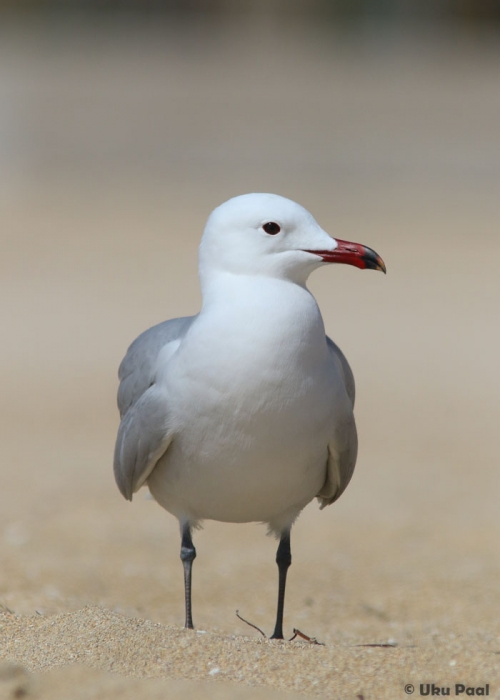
[(340, 359), (343, 447), (144, 433), (138, 367), (143, 438)]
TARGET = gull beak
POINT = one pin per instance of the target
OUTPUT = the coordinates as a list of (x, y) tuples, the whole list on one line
[(352, 254)]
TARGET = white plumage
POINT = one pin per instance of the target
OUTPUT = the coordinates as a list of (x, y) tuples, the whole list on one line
[(245, 411)]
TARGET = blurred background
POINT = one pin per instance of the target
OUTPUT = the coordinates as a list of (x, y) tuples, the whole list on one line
[(122, 125)]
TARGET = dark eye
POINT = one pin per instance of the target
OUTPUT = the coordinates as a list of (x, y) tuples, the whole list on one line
[(271, 228)]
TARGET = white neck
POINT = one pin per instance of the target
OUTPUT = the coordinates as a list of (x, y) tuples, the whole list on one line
[(266, 312)]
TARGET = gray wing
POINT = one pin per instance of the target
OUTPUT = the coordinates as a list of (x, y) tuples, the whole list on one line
[(343, 447), (137, 369), (144, 433), (339, 357)]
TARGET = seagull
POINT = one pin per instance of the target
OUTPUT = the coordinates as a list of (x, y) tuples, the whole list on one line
[(244, 412)]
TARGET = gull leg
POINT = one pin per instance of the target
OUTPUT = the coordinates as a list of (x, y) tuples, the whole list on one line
[(283, 560), (188, 554)]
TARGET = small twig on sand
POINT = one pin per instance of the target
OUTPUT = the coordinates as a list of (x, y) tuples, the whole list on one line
[(311, 640), (250, 623), (296, 632)]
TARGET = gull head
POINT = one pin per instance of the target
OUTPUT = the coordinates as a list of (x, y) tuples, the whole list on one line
[(268, 235)]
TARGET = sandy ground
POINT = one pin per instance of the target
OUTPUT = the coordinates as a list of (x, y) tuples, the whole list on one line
[(114, 150)]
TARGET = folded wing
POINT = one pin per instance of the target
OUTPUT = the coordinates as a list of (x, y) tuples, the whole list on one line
[(343, 447), (145, 433)]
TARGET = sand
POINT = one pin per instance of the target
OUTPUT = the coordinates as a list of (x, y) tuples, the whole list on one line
[(115, 148), (124, 646)]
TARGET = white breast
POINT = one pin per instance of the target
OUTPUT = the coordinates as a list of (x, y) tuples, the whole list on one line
[(253, 393)]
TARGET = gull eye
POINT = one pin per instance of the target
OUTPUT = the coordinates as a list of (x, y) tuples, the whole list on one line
[(271, 228)]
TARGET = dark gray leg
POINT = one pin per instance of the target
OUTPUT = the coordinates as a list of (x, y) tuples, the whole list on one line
[(188, 554), (283, 560)]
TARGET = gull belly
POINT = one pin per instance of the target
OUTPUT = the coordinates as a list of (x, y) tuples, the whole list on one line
[(253, 411)]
